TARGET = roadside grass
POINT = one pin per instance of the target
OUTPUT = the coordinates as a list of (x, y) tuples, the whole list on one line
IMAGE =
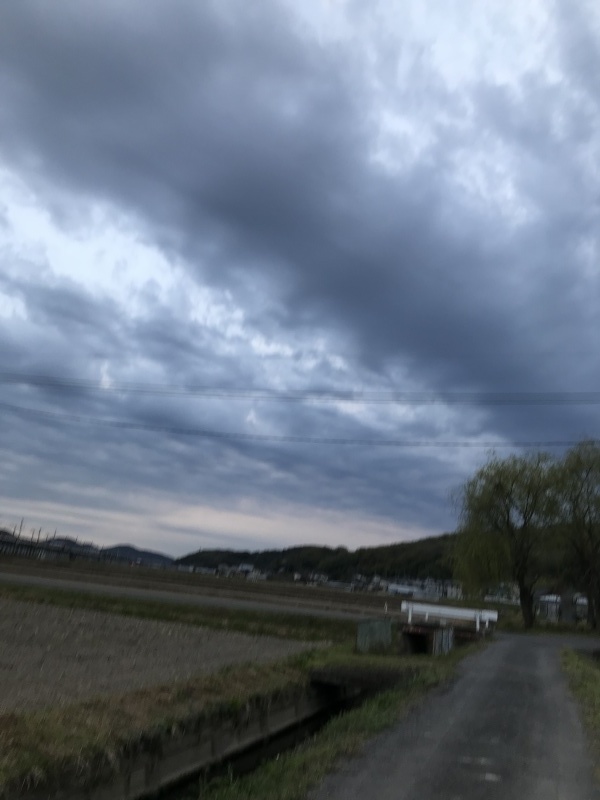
[(85, 741), (268, 623), (87, 737), (510, 618), (293, 774), (583, 673), (511, 621)]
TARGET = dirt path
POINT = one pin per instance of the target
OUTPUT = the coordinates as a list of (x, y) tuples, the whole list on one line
[(54, 656), (507, 729)]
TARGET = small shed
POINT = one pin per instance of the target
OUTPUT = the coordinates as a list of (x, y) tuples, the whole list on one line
[(374, 635)]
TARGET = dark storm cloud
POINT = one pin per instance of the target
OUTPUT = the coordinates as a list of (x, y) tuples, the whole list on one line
[(245, 150)]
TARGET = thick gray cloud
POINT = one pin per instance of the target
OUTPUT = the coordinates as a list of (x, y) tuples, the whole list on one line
[(461, 257)]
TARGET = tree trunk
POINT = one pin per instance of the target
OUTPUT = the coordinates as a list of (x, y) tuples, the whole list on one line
[(526, 600), (591, 614), (592, 618), (594, 605), (591, 593)]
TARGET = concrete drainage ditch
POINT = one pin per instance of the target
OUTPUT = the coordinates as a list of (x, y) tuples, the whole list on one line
[(238, 739)]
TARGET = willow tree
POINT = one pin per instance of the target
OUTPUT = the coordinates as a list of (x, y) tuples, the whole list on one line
[(577, 483), (504, 511)]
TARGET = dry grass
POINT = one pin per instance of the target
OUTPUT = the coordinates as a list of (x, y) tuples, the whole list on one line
[(294, 774), (56, 656), (87, 738)]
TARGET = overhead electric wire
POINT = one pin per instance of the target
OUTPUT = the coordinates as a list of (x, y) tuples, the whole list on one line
[(392, 396), (175, 430)]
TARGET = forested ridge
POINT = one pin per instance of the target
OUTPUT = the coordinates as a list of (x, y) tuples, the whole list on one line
[(424, 558)]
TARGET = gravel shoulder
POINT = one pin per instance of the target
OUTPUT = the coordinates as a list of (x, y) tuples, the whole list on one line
[(51, 656)]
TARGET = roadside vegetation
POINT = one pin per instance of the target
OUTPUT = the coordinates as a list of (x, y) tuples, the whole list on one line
[(292, 775), (86, 739), (583, 672), (84, 742)]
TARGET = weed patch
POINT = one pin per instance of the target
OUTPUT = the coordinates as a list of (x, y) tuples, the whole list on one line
[(583, 673), (84, 738), (294, 774)]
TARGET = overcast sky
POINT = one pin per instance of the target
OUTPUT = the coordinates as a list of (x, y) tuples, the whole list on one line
[(270, 271)]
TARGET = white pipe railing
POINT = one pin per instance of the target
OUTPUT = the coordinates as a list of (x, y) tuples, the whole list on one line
[(434, 612)]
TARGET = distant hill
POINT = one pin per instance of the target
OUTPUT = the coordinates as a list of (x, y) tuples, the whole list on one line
[(146, 558), (70, 545), (421, 559), (65, 546)]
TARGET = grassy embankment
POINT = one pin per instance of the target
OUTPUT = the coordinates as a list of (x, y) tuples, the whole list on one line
[(583, 672), (86, 739), (295, 773)]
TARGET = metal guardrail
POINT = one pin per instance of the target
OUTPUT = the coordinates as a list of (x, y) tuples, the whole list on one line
[(443, 614)]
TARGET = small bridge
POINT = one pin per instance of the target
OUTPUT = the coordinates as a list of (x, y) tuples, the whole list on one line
[(433, 629)]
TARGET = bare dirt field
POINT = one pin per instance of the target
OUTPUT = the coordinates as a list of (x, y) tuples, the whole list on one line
[(280, 593), (53, 656)]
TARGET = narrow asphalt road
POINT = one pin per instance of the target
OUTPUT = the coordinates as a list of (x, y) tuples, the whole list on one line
[(277, 606), (506, 729)]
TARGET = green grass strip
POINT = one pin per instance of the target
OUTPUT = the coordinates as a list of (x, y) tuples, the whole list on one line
[(583, 673)]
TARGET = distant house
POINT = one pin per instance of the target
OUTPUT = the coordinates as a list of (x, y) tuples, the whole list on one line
[(340, 585), (256, 575), (549, 606), (401, 589), (205, 570), (580, 602), (452, 590)]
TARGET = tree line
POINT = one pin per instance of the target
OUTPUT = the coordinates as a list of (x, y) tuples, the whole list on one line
[(425, 558), (530, 518)]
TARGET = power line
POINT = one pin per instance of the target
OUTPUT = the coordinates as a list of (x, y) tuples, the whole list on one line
[(52, 416), (392, 396)]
